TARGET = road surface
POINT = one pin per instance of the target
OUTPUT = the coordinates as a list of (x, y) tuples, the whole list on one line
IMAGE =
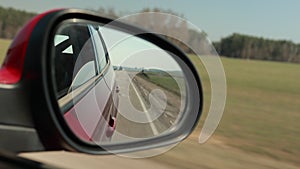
[(139, 116)]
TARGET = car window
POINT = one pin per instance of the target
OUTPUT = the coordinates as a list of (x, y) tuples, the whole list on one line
[(64, 56), (60, 39), (74, 57), (99, 48)]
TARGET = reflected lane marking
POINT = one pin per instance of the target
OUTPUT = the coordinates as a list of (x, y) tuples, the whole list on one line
[(153, 128)]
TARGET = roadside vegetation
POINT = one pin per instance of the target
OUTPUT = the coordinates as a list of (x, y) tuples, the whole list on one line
[(12, 20), (258, 48), (163, 80)]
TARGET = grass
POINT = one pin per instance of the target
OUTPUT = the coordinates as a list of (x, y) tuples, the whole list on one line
[(261, 118), (4, 44), (260, 127), (263, 108), (163, 80)]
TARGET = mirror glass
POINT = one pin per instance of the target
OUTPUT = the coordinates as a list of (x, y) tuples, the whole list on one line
[(115, 87)]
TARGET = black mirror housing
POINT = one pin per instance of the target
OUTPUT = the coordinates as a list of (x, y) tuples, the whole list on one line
[(30, 111)]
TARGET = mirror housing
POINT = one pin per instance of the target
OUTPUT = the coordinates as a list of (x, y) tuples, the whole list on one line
[(31, 111)]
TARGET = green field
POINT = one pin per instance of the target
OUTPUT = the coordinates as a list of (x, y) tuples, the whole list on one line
[(263, 107), (163, 80), (260, 127), (4, 44)]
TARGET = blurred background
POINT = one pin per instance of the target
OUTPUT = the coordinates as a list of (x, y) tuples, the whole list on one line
[(259, 45)]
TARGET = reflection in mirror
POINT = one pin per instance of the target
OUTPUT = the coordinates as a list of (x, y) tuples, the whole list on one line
[(114, 87)]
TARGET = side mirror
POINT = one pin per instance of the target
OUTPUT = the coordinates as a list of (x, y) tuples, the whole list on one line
[(84, 83)]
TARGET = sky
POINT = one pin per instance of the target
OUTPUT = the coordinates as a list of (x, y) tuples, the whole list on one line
[(130, 51), (273, 19)]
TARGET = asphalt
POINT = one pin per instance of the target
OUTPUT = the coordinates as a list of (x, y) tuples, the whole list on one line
[(141, 115)]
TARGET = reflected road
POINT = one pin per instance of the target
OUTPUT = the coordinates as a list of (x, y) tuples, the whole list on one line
[(142, 115)]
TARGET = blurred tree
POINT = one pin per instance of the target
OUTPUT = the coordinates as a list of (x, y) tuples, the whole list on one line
[(250, 47), (12, 20)]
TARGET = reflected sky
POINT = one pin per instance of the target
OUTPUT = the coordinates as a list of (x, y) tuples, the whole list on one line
[(130, 51)]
